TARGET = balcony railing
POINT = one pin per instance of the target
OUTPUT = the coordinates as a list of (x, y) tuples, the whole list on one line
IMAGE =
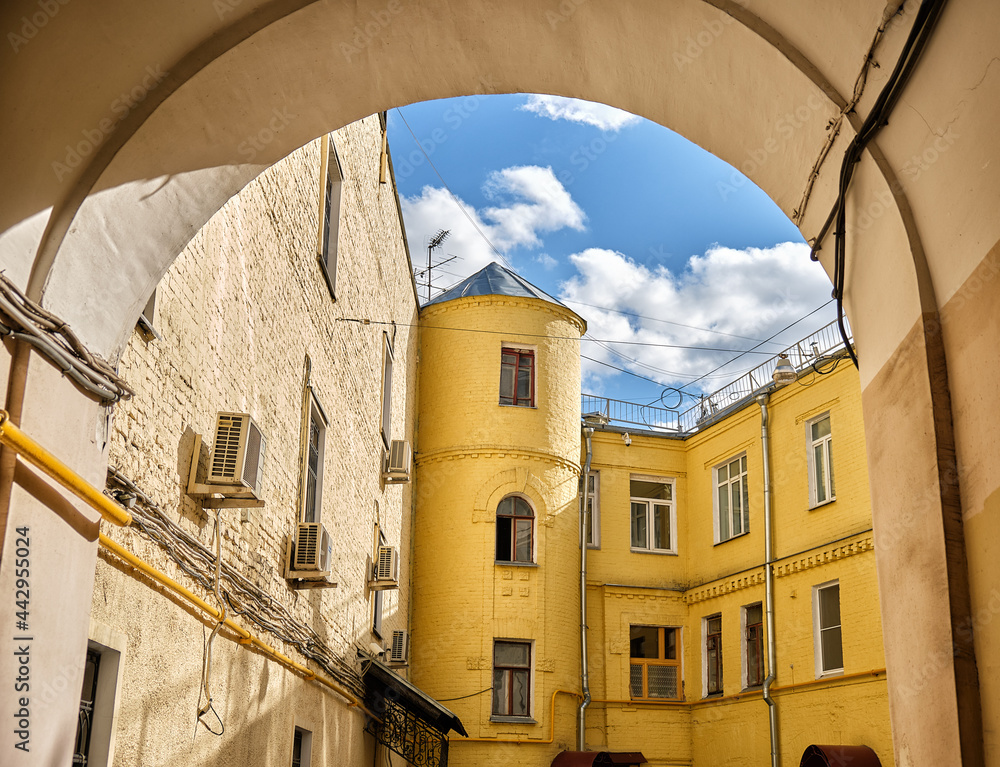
[(621, 413)]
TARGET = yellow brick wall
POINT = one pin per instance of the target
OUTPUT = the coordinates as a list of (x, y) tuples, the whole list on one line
[(239, 311)]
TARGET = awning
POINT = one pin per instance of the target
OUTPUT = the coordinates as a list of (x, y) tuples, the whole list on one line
[(588, 758), (833, 756), (413, 724)]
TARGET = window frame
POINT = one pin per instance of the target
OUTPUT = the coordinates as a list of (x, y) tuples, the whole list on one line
[(592, 535), (818, 629), (660, 661), (519, 352), (649, 548), (305, 738), (744, 477), (757, 629), (713, 640), (314, 414), (385, 426), (826, 441), (378, 603), (513, 531), (110, 646), (331, 185), (527, 716)]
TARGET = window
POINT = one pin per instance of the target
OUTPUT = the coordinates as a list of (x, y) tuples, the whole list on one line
[(829, 649), (517, 377), (333, 180), (732, 503), (515, 530), (593, 535), (655, 668), (377, 600), (145, 323), (713, 655), (301, 748), (312, 503), (386, 390), (654, 517), (511, 678), (820, 461), (753, 645), (99, 698)]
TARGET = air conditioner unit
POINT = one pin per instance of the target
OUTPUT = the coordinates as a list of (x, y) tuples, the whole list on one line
[(399, 650), (398, 462), (385, 569), (237, 452), (313, 548)]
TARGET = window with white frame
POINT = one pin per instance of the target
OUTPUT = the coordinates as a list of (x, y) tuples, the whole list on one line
[(333, 180), (511, 678), (515, 530), (301, 748), (653, 514), (820, 460), (828, 643), (654, 669), (753, 645), (99, 698), (593, 532), (312, 502), (517, 377), (713, 654), (732, 499), (377, 597), (386, 427)]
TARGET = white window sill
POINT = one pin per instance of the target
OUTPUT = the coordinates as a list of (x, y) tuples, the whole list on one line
[(821, 505), (501, 563), (512, 719), (831, 674), (661, 552), (520, 407), (732, 538)]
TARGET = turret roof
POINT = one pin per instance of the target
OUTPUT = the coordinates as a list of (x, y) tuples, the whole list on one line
[(494, 280)]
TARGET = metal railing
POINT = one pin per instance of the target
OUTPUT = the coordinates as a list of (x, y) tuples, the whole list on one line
[(801, 354)]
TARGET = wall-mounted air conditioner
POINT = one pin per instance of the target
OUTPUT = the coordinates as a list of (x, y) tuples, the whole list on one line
[(313, 548), (399, 650), (237, 452), (397, 462), (385, 569)]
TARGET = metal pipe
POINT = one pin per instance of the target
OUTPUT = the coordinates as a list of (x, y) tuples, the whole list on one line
[(12, 437), (772, 711), (584, 668), (528, 742)]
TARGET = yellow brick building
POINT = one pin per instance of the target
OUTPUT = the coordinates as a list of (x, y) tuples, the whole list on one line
[(676, 565)]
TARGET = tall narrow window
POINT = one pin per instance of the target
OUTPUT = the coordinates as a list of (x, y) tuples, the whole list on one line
[(386, 390), (653, 515), (654, 669), (312, 505), (713, 655), (820, 461), (377, 603), (517, 377), (593, 532), (732, 499), (511, 678), (99, 700), (301, 748), (826, 619), (85, 722), (753, 645), (515, 530), (333, 180)]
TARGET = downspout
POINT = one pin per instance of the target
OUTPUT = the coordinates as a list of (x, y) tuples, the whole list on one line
[(772, 711), (584, 669)]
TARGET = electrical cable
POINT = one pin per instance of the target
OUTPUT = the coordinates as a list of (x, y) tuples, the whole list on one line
[(206, 667), (463, 697)]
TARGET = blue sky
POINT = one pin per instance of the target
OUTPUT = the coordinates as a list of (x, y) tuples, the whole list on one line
[(600, 208)]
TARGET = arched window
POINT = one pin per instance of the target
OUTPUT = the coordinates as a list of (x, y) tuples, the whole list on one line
[(515, 530)]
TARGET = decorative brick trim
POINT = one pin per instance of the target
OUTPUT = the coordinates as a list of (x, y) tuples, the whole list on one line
[(493, 452), (824, 556)]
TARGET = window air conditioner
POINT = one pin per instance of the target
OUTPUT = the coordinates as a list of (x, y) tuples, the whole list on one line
[(399, 650), (398, 462), (313, 547), (237, 452), (385, 569)]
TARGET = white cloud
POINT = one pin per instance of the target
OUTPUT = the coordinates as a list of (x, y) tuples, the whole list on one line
[(548, 263), (752, 292), (587, 112), (528, 201)]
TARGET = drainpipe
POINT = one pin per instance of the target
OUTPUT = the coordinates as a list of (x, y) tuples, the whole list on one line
[(584, 669), (772, 711)]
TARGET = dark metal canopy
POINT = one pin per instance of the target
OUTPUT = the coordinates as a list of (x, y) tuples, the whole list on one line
[(589, 758), (382, 684), (834, 756)]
